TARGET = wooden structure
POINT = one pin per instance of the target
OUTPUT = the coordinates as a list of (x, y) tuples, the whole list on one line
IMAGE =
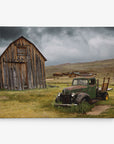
[(22, 66), (105, 85)]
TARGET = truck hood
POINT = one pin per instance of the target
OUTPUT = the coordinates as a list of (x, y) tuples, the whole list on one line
[(75, 87)]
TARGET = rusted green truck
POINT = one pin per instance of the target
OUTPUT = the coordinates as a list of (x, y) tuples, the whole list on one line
[(83, 89)]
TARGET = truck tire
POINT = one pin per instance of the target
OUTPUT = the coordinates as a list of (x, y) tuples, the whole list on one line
[(84, 100), (83, 97), (105, 96)]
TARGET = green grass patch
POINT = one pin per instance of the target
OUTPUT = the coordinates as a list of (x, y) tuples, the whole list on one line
[(81, 108), (39, 103)]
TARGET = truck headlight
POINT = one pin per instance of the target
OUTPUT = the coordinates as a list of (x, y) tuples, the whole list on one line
[(73, 94), (59, 94)]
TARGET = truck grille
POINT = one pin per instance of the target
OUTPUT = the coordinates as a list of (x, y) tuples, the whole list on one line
[(66, 99)]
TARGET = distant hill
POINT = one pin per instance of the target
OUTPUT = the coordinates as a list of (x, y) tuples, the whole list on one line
[(104, 66)]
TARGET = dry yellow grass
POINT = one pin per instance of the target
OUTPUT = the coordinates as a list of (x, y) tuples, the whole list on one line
[(37, 103), (102, 68)]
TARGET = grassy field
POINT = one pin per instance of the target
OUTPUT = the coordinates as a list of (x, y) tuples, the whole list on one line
[(38, 103)]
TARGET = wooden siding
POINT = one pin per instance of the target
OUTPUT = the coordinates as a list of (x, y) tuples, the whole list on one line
[(22, 66)]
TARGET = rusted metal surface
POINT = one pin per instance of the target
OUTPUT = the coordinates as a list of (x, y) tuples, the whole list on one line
[(22, 66), (76, 87), (57, 74), (73, 74), (66, 74), (82, 74), (66, 99), (80, 93)]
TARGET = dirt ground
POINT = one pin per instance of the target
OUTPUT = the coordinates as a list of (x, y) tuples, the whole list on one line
[(3, 98), (98, 109)]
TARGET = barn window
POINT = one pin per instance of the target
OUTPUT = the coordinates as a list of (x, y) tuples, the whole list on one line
[(21, 51)]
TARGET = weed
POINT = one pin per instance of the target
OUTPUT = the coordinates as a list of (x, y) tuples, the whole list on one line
[(84, 107), (81, 108), (40, 103)]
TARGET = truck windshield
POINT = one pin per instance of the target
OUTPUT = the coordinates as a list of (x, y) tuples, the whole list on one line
[(80, 82)]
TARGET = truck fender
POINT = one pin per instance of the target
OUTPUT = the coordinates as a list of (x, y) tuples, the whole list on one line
[(58, 98), (81, 96)]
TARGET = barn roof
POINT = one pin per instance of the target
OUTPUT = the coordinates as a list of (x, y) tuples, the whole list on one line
[(26, 40)]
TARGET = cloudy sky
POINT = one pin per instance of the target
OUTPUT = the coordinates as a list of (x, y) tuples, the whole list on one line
[(64, 44)]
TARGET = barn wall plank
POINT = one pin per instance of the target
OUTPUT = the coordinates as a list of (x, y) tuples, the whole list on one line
[(0, 74), (41, 73), (17, 75), (34, 68), (37, 72)]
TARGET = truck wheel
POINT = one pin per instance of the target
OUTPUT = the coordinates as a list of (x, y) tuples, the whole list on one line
[(106, 96), (86, 100), (82, 97)]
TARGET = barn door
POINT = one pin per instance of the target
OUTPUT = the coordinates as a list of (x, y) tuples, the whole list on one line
[(23, 75), (22, 81)]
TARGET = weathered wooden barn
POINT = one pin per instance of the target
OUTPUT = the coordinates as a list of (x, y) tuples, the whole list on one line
[(22, 66)]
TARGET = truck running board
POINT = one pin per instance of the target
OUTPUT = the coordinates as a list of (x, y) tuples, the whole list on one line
[(65, 105)]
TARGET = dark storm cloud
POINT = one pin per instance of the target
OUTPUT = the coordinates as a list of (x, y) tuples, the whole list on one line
[(65, 44), (9, 33), (53, 30), (59, 30), (110, 28)]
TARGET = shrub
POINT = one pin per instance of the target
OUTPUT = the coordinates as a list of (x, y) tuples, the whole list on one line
[(84, 107), (81, 108)]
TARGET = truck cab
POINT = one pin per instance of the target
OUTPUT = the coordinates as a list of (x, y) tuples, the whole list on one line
[(90, 84)]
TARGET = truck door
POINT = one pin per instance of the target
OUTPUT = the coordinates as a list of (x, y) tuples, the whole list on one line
[(92, 88)]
